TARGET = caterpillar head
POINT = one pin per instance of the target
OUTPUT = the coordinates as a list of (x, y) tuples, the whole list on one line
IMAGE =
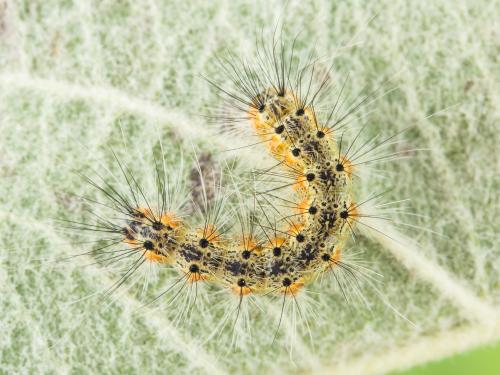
[(152, 234)]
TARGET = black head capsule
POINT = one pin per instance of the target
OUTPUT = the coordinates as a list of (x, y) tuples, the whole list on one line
[(277, 251), (339, 167), (299, 112), (296, 152), (246, 254), (310, 177), (325, 257), (300, 237), (344, 214), (312, 210), (320, 134), (287, 282), (203, 243), (261, 108), (242, 283)]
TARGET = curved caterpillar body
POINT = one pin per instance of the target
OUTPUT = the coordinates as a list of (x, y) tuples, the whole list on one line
[(306, 246), (312, 177)]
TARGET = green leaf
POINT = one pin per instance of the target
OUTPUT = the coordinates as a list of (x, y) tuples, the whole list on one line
[(77, 78)]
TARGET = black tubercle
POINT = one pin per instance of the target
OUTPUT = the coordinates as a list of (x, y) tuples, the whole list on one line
[(193, 268)]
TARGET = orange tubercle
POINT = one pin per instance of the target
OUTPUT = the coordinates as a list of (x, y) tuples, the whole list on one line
[(241, 290), (294, 288), (195, 277), (303, 205), (157, 258), (348, 167), (261, 128), (290, 160), (301, 184), (295, 227), (131, 242), (170, 219), (335, 257), (353, 211), (167, 219), (247, 242), (277, 241), (209, 233), (277, 148)]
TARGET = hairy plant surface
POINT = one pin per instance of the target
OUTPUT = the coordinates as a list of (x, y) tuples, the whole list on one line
[(79, 79)]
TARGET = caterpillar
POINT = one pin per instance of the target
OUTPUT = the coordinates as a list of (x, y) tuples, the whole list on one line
[(276, 100)]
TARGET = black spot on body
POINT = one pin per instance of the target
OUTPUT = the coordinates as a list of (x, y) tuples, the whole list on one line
[(234, 268), (326, 175), (327, 218), (276, 268), (308, 254), (135, 226), (157, 225), (193, 268), (279, 129), (190, 252), (145, 232), (312, 146)]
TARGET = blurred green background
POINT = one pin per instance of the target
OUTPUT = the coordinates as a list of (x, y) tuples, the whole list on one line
[(482, 361)]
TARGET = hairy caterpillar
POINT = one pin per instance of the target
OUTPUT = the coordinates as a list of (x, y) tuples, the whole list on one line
[(276, 99)]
